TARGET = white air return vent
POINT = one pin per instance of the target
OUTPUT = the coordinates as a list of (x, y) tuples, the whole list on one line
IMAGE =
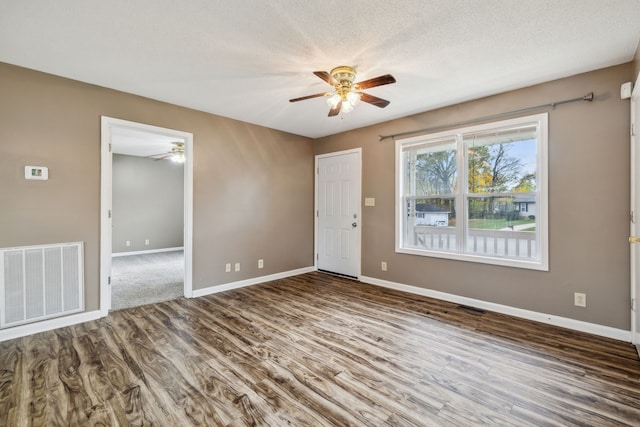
[(40, 282)]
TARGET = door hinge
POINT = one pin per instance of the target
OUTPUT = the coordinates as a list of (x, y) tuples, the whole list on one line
[(317, 257), (633, 304), (109, 147), (318, 213), (109, 280), (632, 217), (109, 213), (633, 129)]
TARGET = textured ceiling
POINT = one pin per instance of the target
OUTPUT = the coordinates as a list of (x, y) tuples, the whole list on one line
[(246, 59)]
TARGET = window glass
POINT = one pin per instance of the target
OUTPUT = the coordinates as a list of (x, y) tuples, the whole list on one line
[(477, 193)]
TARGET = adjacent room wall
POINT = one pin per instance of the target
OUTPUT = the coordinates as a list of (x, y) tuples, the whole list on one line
[(588, 203), (253, 186), (148, 203)]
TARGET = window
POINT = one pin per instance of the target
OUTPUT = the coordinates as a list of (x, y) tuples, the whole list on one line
[(476, 194)]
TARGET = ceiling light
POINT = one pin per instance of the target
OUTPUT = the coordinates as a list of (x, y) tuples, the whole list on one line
[(353, 97), (178, 157), (347, 107), (333, 100)]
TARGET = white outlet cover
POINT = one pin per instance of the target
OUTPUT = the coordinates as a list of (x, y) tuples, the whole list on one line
[(580, 299)]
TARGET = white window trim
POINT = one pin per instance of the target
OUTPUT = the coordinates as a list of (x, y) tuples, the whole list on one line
[(542, 225)]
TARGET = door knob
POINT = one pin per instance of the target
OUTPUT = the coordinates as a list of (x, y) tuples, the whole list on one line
[(634, 239), (355, 224)]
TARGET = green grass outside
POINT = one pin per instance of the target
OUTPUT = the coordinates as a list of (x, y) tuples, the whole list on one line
[(496, 224)]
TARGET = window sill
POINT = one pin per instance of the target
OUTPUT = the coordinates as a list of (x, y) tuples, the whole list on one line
[(503, 262)]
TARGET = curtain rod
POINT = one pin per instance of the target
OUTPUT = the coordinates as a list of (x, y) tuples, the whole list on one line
[(588, 97)]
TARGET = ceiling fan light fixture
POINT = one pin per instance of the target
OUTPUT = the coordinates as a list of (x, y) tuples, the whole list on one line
[(347, 107), (334, 100), (347, 92), (177, 153), (353, 98), (178, 157)]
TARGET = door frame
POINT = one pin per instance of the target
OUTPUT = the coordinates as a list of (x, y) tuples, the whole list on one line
[(635, 210), (357, 151), (106, 184)]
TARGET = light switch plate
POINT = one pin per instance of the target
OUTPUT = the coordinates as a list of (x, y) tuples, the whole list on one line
[(625, 90), (36, 172), (369, 201)]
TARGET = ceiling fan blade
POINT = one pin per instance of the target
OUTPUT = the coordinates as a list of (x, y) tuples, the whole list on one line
[(159, 156), (307, 97), (376, 81), (374, 100), (335, 111), (326, 77)]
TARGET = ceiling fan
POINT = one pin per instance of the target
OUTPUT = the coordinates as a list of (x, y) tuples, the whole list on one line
[(346, 92), (176, 153)]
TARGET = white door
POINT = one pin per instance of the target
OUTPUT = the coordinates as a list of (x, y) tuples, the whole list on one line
[(338, 212), (635, 208)]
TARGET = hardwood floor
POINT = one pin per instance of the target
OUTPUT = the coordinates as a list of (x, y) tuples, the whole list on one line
[(316, 350)]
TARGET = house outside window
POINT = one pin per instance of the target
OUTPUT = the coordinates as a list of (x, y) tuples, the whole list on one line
[(475, 194), (526, 205)]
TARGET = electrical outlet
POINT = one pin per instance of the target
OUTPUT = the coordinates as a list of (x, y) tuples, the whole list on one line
[(579, 299), (128, 243), (146, 242), (227, 268), (383, 265), (237, 266), (260, 263)]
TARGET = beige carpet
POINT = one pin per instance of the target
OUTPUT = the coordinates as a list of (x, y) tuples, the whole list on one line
[(146, 279)]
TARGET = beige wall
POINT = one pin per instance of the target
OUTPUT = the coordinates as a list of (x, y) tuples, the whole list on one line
[(253, 187), (588, 204)]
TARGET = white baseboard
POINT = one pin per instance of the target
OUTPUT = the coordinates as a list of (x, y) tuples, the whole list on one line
[(47, 325), (150, 251), (577, 325), (249, 282)]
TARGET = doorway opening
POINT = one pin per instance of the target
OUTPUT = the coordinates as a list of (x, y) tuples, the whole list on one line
[(146, 226)]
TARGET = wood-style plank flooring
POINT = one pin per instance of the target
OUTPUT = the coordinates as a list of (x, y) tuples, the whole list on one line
[(316, 350)]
